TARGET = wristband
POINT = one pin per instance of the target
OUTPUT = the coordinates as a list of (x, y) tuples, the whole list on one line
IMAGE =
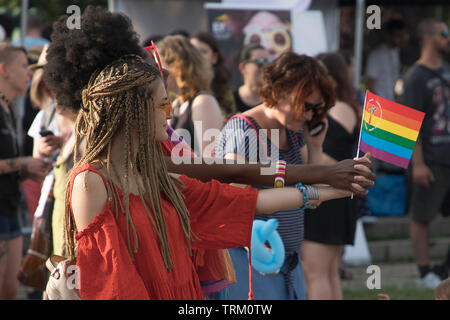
[(280, 174), (313, 192), (303, 190)]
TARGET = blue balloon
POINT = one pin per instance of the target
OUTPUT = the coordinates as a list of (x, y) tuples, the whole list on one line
[(262, 259)]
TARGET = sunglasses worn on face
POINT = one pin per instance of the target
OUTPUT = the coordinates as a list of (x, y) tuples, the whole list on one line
[(167, 107), (154, 53), (313, 107), (260, 61)]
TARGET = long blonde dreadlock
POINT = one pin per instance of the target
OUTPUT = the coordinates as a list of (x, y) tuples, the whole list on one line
[(118, 97)]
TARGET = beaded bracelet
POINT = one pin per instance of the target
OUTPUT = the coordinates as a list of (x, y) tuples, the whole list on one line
[(280, 174), (303, 189)]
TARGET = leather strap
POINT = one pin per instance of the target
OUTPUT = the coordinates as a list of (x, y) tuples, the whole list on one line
[(52, 262)]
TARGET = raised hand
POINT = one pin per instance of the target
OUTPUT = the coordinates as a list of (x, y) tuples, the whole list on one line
[(354, 175), (48, 145)]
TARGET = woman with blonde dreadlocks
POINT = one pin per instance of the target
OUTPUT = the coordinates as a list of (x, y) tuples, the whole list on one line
[(133, 224)]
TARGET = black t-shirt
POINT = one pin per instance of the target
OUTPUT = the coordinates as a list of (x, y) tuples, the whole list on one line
[(9, 183), (424, 90), (241, 106)]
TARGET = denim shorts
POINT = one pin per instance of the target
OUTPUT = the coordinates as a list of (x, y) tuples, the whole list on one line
[(9, 228)]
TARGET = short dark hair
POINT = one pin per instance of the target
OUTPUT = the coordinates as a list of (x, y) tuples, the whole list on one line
[(34, 22), (394, 25), (426, 26), (247, 50), (8, 52)]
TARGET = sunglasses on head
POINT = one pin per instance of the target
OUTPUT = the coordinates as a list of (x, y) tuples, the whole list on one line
[(154, 53), (443, 34), (313, 107), (167, 107), (259, 61)]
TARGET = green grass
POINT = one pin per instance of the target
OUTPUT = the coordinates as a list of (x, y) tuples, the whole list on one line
[(406, 293)]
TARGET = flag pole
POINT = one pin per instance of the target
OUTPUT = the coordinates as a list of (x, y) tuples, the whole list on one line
[(360, 129), (362, 121)]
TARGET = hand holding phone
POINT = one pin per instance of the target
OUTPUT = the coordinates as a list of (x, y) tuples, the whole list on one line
[(48, 143)]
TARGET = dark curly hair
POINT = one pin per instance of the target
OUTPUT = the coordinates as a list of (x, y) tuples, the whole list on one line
[(296, 76), (74, 54)]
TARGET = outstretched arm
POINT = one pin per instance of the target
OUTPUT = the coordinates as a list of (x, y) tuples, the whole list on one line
[(340, 175), (277, 199)]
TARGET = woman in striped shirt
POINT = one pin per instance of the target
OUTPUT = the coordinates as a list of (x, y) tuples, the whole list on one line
[(296, 90)]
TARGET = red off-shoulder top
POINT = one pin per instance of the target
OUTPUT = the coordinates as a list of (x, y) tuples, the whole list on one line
[(221, 216)]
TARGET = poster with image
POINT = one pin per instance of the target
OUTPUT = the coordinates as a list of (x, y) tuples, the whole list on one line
[(278, 29), (235, 28)]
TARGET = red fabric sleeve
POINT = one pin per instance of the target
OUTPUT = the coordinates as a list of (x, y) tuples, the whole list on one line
[(221, 215), (106, 269)]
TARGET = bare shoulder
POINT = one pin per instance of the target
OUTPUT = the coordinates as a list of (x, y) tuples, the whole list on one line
[(204, 100), (89, 197), (257, 111), (204, 97), (206, 108)]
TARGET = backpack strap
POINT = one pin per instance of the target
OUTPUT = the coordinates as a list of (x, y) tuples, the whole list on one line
[(247, 119)]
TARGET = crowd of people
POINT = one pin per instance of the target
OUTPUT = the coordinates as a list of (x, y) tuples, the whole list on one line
[(104, 187)]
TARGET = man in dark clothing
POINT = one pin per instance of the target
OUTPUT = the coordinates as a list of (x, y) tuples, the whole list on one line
[(427, 88)]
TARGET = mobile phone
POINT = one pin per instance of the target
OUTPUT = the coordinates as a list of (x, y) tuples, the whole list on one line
[(45, 133), (315, 129)]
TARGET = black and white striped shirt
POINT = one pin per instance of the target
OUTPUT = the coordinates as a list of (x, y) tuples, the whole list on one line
[(239, 137)]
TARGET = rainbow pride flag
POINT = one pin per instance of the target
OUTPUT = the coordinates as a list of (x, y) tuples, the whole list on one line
[(389, 130)]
